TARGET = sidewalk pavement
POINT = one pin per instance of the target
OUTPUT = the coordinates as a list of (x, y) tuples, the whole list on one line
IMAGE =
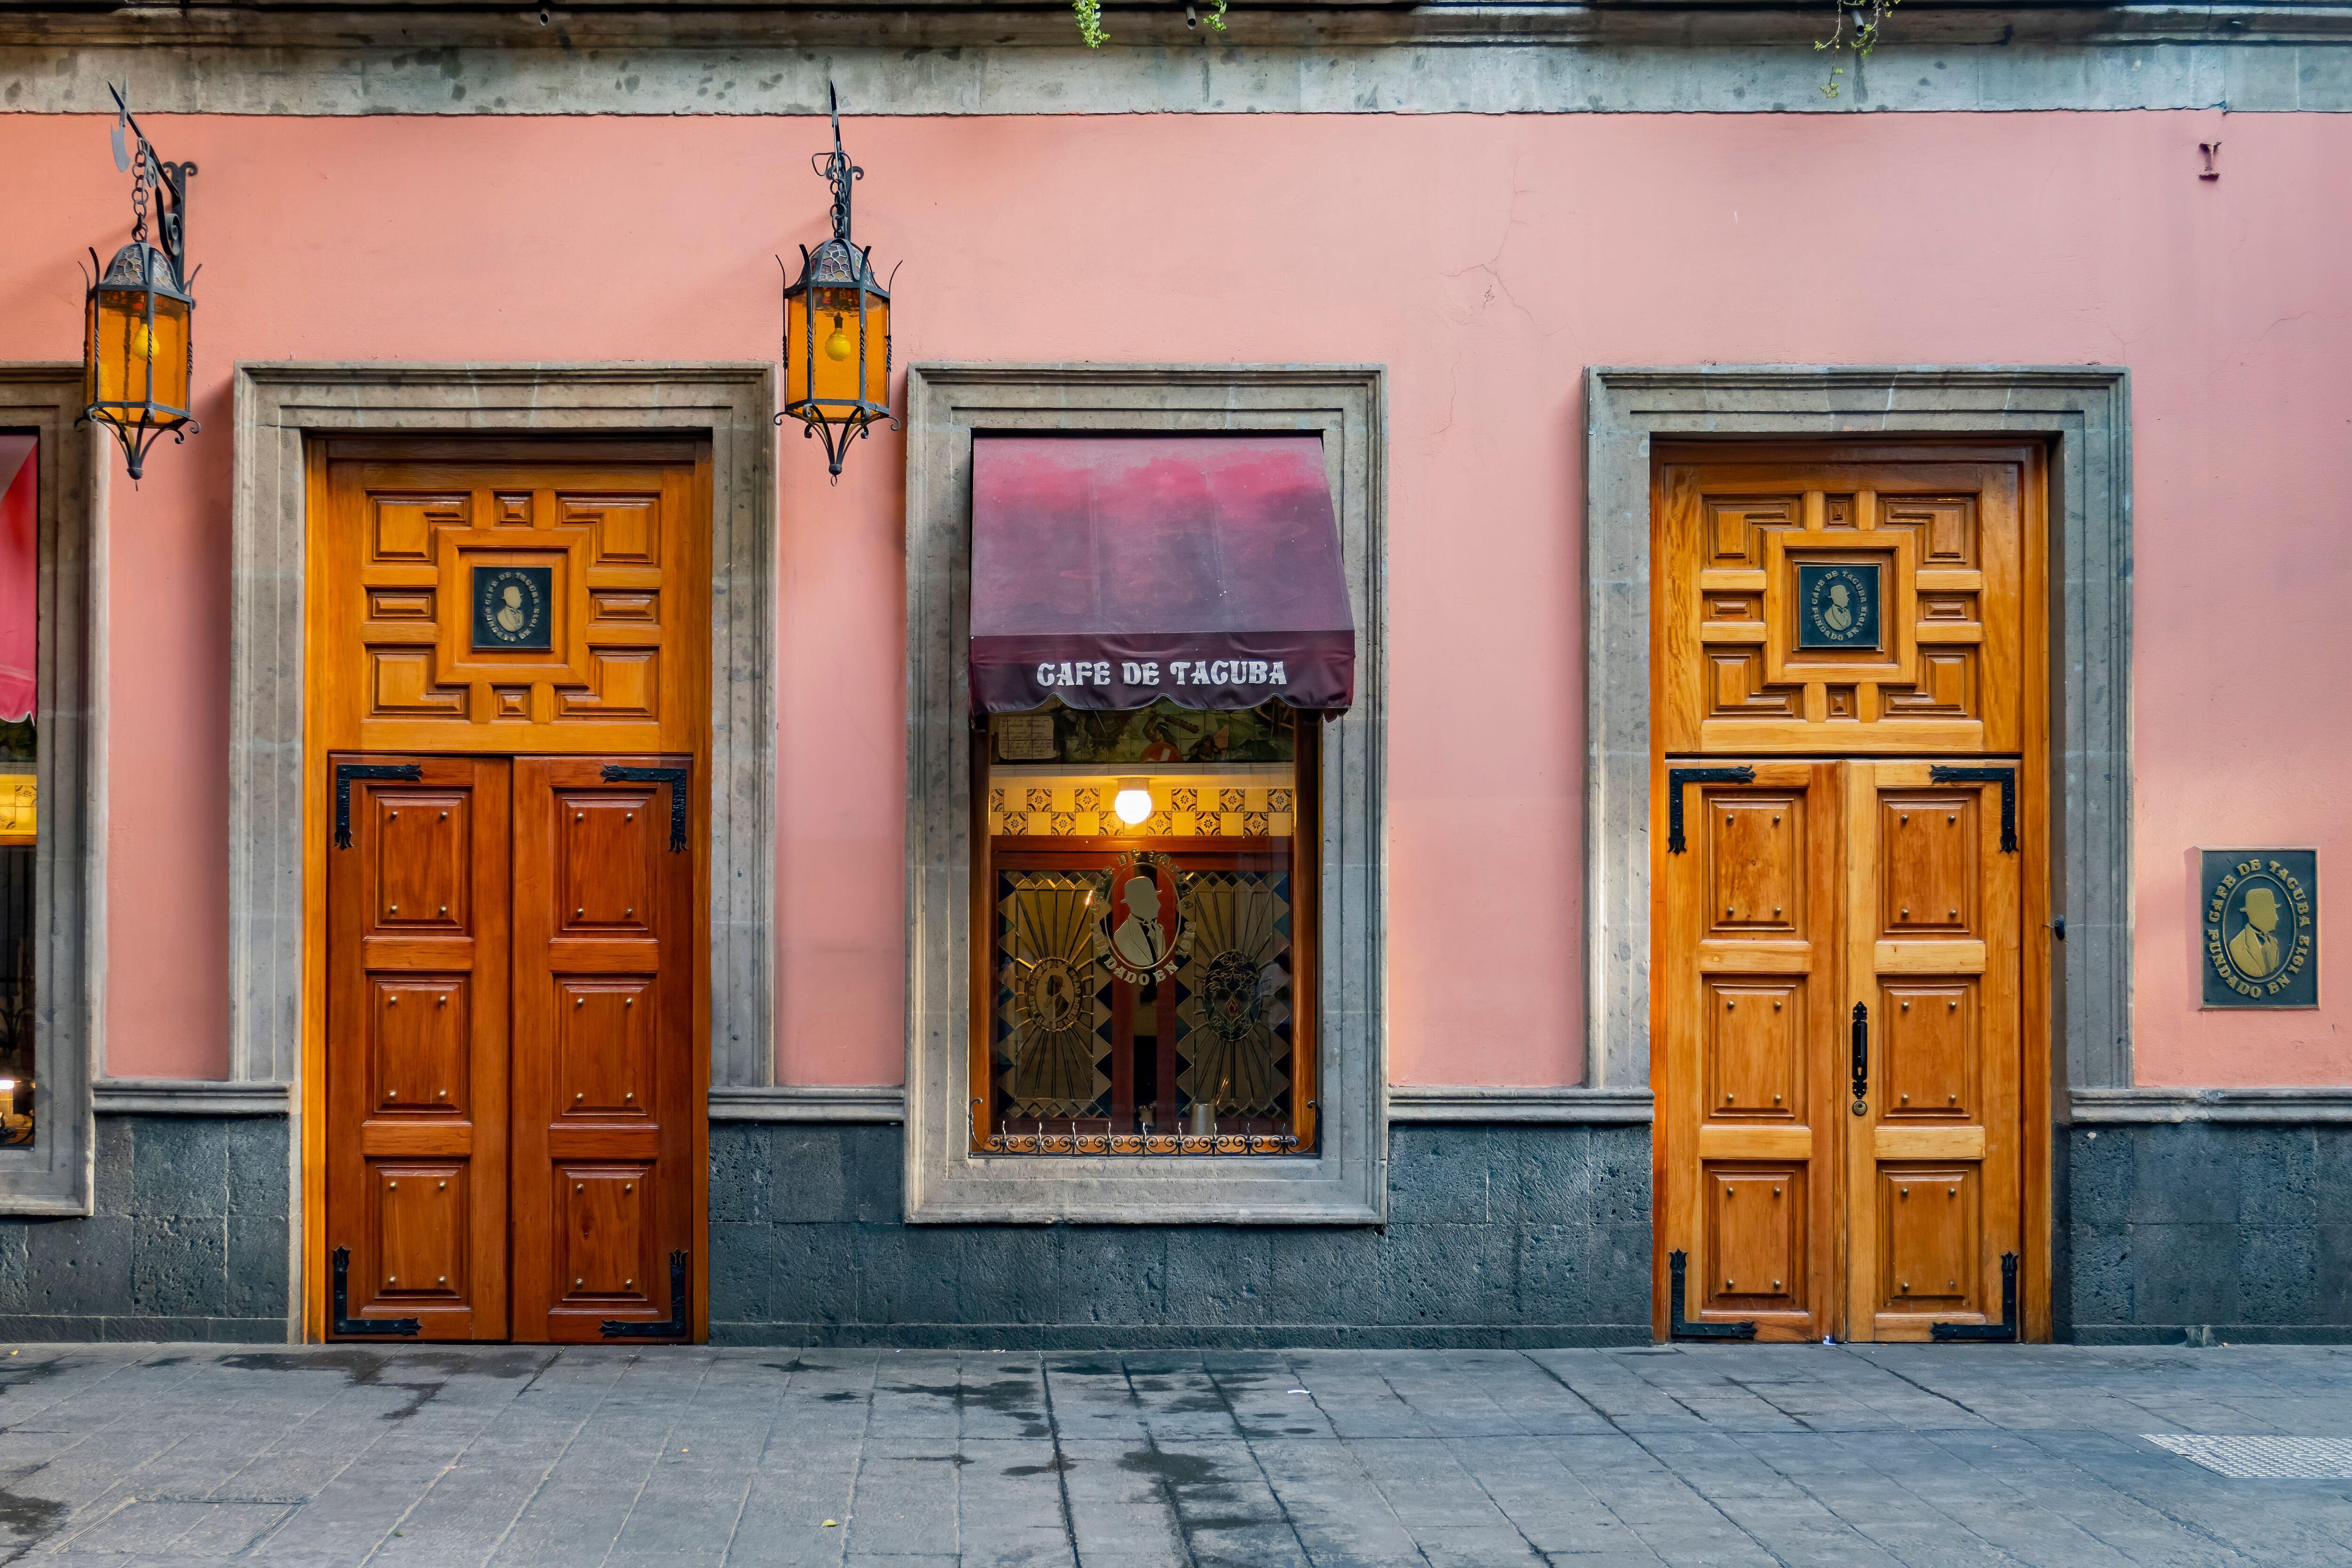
[(1737, 1455)]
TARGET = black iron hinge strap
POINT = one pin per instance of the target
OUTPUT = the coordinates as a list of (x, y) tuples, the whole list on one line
[(615, 773), (2002, 1332), (679, 1323), (1680, 1328), (2005, 778), (405, 1328), (346, 772), (1676, 778)]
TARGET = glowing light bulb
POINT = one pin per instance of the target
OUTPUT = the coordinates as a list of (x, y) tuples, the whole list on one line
[(1133, 801), (839, 346), (141, 342)]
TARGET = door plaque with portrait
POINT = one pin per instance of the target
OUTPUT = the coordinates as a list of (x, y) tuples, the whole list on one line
[(2258, 927), (510, 608), (1837, 605)]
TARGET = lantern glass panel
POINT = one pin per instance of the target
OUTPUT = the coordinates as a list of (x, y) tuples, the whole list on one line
[(139, 360), (830, 371), (799, 351), (878, 350)]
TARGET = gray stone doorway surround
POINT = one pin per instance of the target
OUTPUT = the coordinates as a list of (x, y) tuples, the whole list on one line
[(279, 408), (2083, 412)]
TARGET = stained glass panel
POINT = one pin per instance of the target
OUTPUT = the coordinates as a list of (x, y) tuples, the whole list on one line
[(1145, 968), (1053, 1000)]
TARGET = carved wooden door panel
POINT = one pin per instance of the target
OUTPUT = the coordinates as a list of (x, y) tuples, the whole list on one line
[(519, 607), (606, 1184), (1933, 1018), (417, 1054), (1859, 601), (1748, 1105)]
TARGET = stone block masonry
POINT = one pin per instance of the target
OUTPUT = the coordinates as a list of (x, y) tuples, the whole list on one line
[(2206, 1232), (188, 1240), (1498, 1236)]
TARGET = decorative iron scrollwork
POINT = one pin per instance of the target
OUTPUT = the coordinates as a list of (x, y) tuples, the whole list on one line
[(402, 1328), (615, 773), (1074, 1143), (346, 772), (676, 1326), (2005, 778), (2002, 1332), (1681, 1328), (1677, 777)]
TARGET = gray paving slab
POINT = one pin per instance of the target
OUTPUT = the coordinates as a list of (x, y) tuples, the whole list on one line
[(1896, 1456)]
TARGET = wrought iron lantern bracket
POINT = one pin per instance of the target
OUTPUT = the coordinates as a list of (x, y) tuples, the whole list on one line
[(156, 269), (840, 266)]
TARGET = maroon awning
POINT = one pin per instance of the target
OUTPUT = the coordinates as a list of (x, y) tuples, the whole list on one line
[(1111, 571)]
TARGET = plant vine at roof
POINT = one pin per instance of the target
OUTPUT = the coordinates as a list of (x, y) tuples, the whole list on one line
[(1090, 25), (1858, 22)]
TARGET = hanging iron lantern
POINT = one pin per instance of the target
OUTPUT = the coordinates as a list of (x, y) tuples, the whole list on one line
[(137, 353), (836, 325)]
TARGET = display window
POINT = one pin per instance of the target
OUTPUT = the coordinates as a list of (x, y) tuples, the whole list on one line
[(1145, 978), (1146, 971), (19, 788)]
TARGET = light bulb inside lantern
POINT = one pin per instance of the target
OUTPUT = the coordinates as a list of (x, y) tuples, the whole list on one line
[(839, 346), (1133, 801)]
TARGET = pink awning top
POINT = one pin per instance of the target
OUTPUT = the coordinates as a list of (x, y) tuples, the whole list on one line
[(20, 567), (1112, 571)]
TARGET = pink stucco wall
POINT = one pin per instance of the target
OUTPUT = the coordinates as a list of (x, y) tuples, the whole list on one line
[(1486, 262)]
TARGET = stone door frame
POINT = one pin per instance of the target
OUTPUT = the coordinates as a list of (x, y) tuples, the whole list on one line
[(278, 409), (2084, 413)]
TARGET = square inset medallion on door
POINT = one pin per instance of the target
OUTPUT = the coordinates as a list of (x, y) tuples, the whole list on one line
[(1838, 606), (513, 608)]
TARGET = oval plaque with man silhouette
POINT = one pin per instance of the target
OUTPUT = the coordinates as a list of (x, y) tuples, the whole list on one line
[(1144, 933), (2260, 928)]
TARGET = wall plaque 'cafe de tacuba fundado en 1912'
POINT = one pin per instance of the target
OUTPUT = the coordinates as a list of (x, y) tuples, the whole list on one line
[(2258, 927)]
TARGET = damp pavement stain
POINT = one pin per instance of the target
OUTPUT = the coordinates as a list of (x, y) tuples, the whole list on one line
[(1171, 1470), (29, 1521), (420, 1374), (1015, 1398), (513, 1456)]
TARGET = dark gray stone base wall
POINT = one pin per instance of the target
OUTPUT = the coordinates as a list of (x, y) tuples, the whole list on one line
[(1511, 1235), (1502, 1235), (187, 1242), (2205, 1233)]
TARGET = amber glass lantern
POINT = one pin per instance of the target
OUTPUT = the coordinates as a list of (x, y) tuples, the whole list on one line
[(136, 348), (836, 328)]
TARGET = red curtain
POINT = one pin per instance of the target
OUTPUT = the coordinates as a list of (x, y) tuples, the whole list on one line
[(20, 566)]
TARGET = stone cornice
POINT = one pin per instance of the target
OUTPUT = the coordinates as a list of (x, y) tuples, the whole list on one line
[(1493, 1104), (2101, 1107), (962, 24), (923, 62)]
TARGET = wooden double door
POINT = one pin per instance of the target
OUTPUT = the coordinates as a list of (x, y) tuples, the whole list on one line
[(508, 657), (1848, 981), (510, 999)]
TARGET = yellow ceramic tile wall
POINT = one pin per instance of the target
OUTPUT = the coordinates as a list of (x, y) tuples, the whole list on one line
[(1183, 807)]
